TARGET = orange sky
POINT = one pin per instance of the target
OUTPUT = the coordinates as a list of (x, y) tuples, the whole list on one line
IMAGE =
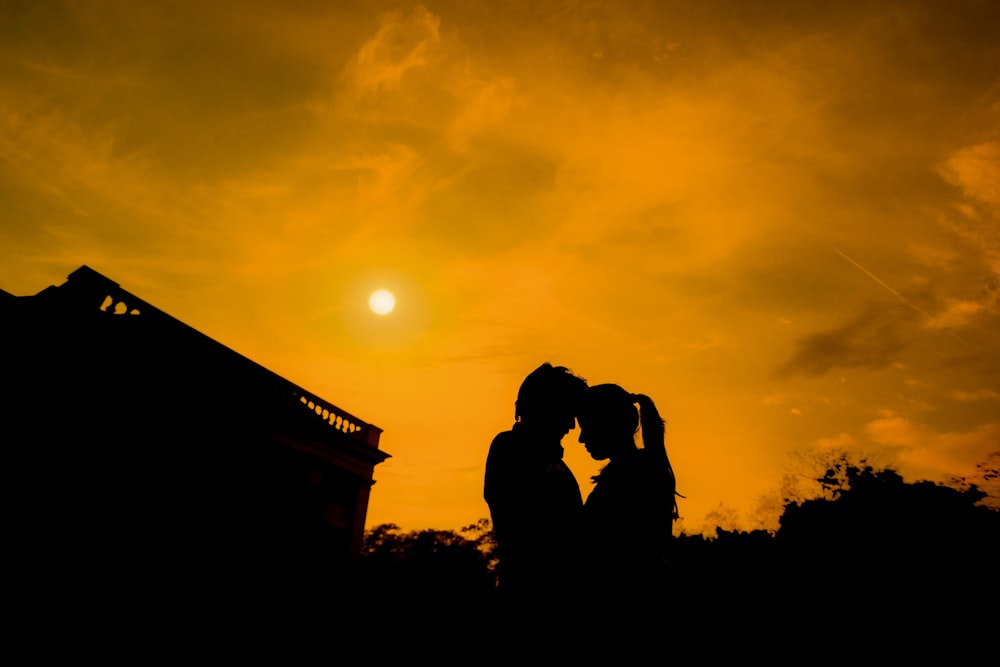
[(780, 221)]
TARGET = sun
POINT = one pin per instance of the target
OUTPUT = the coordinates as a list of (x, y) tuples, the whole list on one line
[(382, 302)]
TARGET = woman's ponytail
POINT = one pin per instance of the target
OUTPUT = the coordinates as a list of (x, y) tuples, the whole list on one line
[(653, 441)]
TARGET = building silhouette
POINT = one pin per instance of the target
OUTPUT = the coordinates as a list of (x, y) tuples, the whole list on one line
[(146, 462)]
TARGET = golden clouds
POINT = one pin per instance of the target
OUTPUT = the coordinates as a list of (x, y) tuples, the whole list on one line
[(649, 192), (870, 340), (402, 43), (488, 102), (976, 170), (955, 314), (926, 453)]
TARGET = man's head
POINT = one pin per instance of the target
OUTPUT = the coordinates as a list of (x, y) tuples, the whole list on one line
[(548, 398)]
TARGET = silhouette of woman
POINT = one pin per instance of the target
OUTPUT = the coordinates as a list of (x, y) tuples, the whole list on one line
[(628, 516)]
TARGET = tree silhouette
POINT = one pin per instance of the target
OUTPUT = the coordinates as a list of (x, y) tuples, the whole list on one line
[(873, 551), (881, 547), (985, 479), (411, 569)]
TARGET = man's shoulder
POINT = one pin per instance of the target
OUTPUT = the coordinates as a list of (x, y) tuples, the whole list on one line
[(505, 440), (503, 447), (503, 466)]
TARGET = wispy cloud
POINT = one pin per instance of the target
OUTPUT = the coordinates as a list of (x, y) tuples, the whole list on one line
[(873, 339), (644, 190), (926, 453), (403, 43), (976, 395), (956, 314)]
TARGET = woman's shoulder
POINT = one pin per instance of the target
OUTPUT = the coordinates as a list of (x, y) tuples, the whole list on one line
[(638, 463), (621, 472), (635, 474)]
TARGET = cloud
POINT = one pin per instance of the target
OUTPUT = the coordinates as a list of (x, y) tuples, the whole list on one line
[(401, 44), (652, 211), (776, 399), (925, 453), (975, 396), (932, 256), (870, 340), (486, 104), (842, 442), (976, 169), (956, 314)]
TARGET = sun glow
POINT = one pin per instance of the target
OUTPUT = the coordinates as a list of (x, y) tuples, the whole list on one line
[(382, 302)]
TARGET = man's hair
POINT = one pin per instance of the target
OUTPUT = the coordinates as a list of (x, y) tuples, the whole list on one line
[(549, 389)]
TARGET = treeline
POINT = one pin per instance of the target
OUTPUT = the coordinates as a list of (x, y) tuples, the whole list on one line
[(875, 550)]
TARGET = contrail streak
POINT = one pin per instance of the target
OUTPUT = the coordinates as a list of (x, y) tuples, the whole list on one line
[(883, 284), (897, 294)]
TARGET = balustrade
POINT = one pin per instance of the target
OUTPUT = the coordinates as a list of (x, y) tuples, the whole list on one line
[(117, 302)]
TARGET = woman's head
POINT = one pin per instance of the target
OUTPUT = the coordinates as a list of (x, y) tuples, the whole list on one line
[(609, 417), (608, 421)]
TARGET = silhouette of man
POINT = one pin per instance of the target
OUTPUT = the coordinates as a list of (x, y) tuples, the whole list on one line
[(534, 499)]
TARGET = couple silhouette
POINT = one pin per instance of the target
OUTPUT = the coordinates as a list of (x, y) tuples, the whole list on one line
[(556, 550)]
